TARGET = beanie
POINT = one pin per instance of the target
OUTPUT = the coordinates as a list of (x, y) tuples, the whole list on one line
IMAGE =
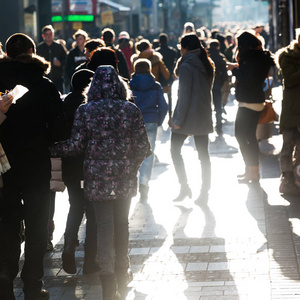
[(18, 44), (81, 79)]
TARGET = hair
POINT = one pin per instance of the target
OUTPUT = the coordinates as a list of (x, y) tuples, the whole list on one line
[(143, 45), (191, 41), (80, 32), (103, 56), (81, 80), (214, 44), (142, 65), (47, 28), (19, 43), (188, 27), (107, 34), (246, 42), (94, 44), (163, 39)]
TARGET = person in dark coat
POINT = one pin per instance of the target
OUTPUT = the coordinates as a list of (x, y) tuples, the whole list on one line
[(110, 131), (220, 78), (56, 54), (193, 111), (108, 35), (149, 98), (72, 174), (33, 123), (251, 71), (169, 55)]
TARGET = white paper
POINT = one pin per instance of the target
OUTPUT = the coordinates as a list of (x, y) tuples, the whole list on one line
[(18, 92)]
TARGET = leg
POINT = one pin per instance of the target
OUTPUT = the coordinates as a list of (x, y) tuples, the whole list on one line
[(217, 99), (51, 225)]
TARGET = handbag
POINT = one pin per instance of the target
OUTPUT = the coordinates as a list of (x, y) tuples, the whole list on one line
[(268, 114)]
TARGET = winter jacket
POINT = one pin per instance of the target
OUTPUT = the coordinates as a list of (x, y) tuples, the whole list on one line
[(251, 74), (111, 134), (220, 64), (126, 47), (55, 50), (193, 112), (74, 58), (158, 66), (289, 64), (35, 121), (149, 98)]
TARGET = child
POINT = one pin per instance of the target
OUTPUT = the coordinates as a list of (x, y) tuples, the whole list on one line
[(149, 98)]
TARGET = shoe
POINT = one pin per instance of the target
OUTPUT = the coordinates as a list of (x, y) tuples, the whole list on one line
[(49, 245), (124, 277), (68, 256), (288, 187), (184, 192), (143, 189), (109, 287), (41, 295), (90, 266), (203, 198)]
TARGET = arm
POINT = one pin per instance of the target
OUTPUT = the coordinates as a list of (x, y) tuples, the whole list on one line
[(162, 104), (164, 70)]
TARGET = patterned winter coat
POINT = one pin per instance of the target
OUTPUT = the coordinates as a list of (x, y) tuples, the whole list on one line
[(111, 134)]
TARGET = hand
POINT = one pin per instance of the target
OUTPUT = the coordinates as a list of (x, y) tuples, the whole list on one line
[(56, 63), (6, 102), (175, 127)]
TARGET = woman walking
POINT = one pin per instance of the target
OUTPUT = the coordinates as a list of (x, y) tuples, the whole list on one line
[(193, 112), (111, 133)]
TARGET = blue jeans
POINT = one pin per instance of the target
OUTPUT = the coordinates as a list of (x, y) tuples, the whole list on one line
[(147, 165), (113, 234)]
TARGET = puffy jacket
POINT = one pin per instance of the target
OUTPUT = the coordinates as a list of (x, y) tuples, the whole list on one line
[(149, 98)]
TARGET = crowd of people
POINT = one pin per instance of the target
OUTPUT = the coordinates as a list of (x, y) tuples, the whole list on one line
[(98, 106)]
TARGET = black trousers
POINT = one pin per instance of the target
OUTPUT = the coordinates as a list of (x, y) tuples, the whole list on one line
[(25, 196)]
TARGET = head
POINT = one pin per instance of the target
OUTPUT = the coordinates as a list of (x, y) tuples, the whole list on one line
[(188, 27), (124, 35), (188, 42), (248, 41), (155, 43), (214, 45), (48, 34), (80, 36), (92, 45), (103, 56), (106, 84), (108, 35), (81, 79), (142, 66), (143, 45), (163, 39), (18, 44)]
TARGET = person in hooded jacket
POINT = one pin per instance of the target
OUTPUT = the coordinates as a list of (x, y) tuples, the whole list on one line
[(149, 98), (33, 123), (110, 131), (72, 174), (252, 68), (288, 62), (193, 111), (157, 65)]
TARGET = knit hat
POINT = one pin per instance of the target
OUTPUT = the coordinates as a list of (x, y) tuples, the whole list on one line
[(19, 43), (81, 79), (247, 40)]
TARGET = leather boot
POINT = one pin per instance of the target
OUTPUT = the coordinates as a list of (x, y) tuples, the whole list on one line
[(185, 191), (68, 256), (287, 184), (109, 287)]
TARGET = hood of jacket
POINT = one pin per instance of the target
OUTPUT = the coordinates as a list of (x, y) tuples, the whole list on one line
[(142, 82), (25, 69), (292, 51), (152, 55)]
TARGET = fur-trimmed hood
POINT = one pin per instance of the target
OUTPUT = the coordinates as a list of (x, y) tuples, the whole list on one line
[(291, 50), (25, 69), (152, 55)]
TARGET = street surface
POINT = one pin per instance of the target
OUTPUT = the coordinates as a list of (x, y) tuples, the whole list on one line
[(244, 243)]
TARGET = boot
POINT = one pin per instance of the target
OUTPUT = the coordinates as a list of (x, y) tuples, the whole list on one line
[(90, 266), (287, 184), (68, 256), (109, 287), (185, 191), (245, 173), (252, 175), (124, 277)]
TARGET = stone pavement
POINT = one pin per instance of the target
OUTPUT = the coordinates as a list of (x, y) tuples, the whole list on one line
[(244, 243)]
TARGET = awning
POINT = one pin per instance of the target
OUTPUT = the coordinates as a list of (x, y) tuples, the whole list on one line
[(115, 5)]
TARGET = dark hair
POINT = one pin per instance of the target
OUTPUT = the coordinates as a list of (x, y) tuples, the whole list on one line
[(191, 41), (47, 28), (19, 43), (103, 56), (81, 79), (108, 34), (163, 39), (214, 44), (246, 42), (94, 44), (143, 45)]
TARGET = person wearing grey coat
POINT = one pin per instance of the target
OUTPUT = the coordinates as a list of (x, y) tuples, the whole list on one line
[(193, 111)]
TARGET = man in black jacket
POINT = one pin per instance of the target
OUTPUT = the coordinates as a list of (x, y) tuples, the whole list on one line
[(108, 35), (56, 54), (33, 123)]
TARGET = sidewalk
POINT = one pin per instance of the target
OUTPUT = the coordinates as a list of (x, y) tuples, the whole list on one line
[(243, 244)]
